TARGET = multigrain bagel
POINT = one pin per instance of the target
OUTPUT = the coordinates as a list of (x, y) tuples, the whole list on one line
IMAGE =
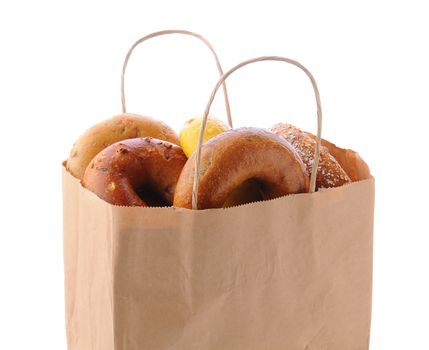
[(121, 127), (236, 156), (136, 172), (330, 173)]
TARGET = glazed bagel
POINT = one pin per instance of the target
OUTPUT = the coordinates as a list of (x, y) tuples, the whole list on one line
[(121, 127), (330, 173), (136, 172), (235, 156)]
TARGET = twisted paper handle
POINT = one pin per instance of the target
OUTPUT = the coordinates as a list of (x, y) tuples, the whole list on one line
[(166, 32), (206, 113)]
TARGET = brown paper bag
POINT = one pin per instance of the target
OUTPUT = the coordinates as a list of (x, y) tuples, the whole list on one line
[(290, 273)]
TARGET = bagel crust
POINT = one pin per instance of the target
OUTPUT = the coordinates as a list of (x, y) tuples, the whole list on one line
[(235, 156), (136, 172), (329, 173), (352, 163), (118, 128)]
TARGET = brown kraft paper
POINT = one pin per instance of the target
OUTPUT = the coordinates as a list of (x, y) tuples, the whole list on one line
[(291, 273)]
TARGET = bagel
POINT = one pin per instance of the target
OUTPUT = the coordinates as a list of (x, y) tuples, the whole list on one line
[(235, 156), (352, 163), (121, 127), (136, 172), (330, 173)]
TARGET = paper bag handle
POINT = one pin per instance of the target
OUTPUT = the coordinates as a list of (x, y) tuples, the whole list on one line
[(167, 32), (206, 113)]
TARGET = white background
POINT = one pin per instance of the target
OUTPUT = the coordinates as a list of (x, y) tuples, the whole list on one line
[(60, 66)]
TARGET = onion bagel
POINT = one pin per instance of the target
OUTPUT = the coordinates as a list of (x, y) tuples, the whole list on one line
[(136, 172)]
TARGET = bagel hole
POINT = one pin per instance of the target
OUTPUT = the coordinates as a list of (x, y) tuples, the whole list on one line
[(247, 192), (151, 197)]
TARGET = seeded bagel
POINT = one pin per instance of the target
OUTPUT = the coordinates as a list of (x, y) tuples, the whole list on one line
[(121, 127)]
